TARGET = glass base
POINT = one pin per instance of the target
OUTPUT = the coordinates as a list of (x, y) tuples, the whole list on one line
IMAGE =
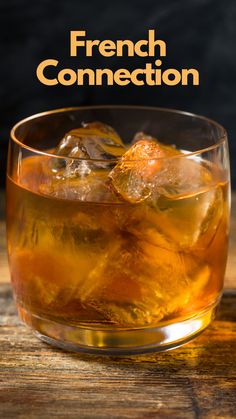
[(118, 341)]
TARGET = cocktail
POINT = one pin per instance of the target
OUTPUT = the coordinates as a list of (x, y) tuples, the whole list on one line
[(117, 222)]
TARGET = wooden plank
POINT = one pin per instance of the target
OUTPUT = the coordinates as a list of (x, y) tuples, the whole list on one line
[(197, 380), (4, 270)]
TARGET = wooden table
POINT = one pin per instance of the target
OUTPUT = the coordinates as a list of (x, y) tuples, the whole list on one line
[(197, 380)]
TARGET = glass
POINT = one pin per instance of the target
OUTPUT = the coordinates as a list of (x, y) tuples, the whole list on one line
[(98, 271)]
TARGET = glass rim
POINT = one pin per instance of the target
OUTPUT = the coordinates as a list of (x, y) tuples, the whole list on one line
[(222, 140)]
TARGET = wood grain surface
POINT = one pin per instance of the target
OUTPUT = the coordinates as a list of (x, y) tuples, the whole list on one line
[(197, 380)]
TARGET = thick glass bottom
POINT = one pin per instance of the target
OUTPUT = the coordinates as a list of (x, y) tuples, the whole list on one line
[(118, 341)]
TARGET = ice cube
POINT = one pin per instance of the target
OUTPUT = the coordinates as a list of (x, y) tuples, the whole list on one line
[(140, 136), (83, 176), (92, 141), (188, 199), (190, 221), (94, 187), (135, 283), (181, 175), (142, 222), (134, 176), (150, 169)]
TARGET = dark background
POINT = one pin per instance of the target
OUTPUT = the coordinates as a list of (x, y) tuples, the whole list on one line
[(199, 34)]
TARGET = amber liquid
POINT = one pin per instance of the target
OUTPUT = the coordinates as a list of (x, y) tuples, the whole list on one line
[(116, 265)]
